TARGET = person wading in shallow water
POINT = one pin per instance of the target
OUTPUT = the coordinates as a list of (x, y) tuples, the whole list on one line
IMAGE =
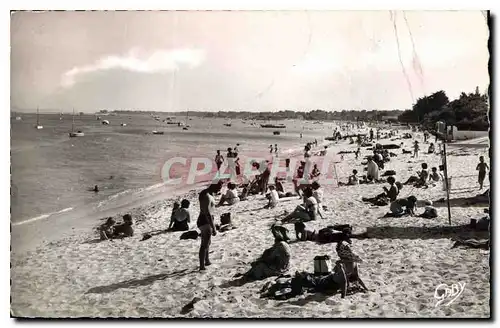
[(206, 222)]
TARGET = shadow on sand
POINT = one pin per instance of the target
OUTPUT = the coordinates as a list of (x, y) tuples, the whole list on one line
[(440, 232), (138, 282), (475, 201)]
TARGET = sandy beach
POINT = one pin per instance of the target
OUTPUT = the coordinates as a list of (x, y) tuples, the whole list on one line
[(77, 275)]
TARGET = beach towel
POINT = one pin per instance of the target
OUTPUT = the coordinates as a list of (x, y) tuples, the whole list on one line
[(193, 234)]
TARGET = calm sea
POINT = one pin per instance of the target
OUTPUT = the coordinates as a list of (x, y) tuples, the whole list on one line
[(51, 172)]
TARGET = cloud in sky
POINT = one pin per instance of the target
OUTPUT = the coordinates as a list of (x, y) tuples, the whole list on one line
[(156, 62)]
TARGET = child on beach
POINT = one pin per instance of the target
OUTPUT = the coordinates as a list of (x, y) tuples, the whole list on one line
[(106, 230), (435, 176), (270, 149), (481, 167), (415, 149), (275, 148), (403, 206), (353, 179), (180, 218), (357, 152)]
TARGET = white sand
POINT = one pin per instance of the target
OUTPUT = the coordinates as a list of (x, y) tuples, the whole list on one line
[(157, 277)]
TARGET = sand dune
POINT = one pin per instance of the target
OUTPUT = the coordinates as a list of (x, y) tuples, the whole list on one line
[(81, 276)]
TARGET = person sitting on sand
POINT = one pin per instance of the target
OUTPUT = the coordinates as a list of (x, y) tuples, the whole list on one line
[(430, 212), (181, 218), (278, 186), (273, 197), (318, 195), (389, 195), (125, 229), (306, 212), (431, 149), (106, 229), (303, 234), (435, 176), (273, 262), (403, 206), (315, 172), (420, 179), (352, 180), (372, 169), (231, 196)]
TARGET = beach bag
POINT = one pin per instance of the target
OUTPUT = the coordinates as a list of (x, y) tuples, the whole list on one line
[(322, 264), (193, 234), (225, 218)]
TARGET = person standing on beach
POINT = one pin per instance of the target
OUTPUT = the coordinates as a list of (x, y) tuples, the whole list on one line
[(371, 134), (270, 149), (206, 222), (275, 148), (415, 149), (219, 159), (481, 167)]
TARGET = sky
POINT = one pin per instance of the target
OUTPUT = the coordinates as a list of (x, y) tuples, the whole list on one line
[(253, 60)]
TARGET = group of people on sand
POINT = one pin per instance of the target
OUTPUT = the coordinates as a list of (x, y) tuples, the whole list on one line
[(232, 153), (111, 230)]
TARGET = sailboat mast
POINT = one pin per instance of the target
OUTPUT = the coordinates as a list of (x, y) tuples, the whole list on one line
[(73, 122), (37, 116)]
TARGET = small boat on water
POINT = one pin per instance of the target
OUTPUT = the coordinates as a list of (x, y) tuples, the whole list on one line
[(105, 122), (74, 134), (38, 126), (185, 128), (18, 118), (227, 124), (123, 124), (274, 126), (276, 133), (158, 132)]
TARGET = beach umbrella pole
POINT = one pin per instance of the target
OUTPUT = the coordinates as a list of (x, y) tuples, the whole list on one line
[(446, 173)]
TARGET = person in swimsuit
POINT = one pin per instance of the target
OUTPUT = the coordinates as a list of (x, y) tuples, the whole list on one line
[(219, 159), (435, 176), (403, 206), (125, 229), (306, 212), (481, 167), (303, 234), (106, 229), (181, 217), (205, 222)]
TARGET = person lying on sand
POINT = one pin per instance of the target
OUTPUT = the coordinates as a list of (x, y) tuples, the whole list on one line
[(306, 212), (106, 229), (231, 196), (181, 218), (273, 262), (403, 206), (125, 229)]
